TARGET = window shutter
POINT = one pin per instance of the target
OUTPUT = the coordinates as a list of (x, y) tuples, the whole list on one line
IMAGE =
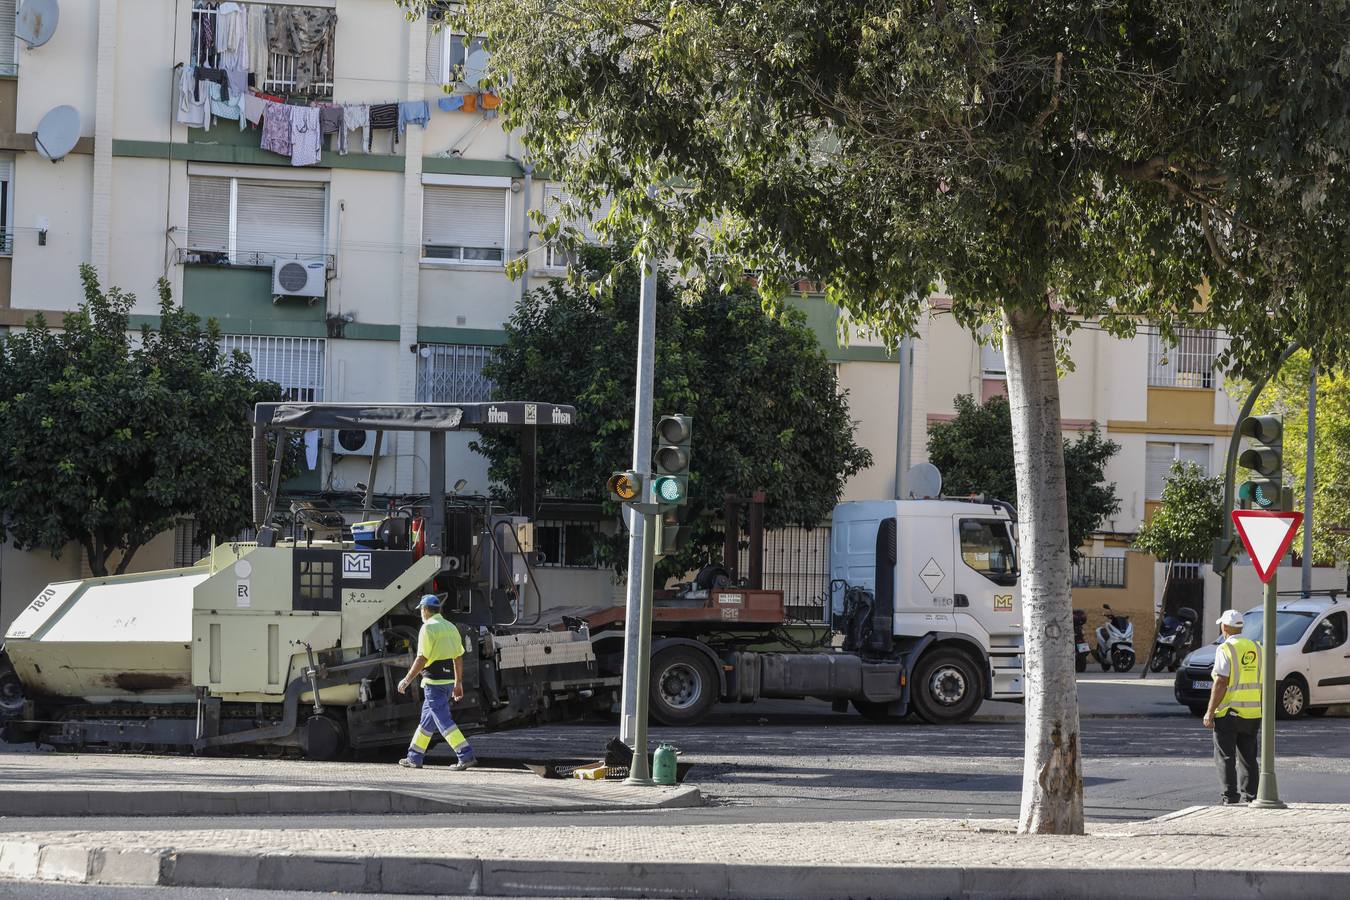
[(464, 217), (8, 61), (1157, 465), (208, 213), (435, 55), (278, 219), (1195, 453)]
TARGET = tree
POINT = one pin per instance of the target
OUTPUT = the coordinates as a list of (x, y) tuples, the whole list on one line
[(1044, 161), (974, 451), (1287, 395), (768, 411), (106, 437)]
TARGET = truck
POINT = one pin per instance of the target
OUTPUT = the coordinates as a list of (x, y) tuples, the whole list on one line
[(924, 619), (293, 642)]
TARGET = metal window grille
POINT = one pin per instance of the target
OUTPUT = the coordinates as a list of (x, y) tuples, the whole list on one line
[(1099, 572), (796, 562), (196, 56), (1188, 363), (567, 544), (453, 373), (186, 551), (297, 364)]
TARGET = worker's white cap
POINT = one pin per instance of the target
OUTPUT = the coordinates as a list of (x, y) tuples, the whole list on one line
[(1232, 618)]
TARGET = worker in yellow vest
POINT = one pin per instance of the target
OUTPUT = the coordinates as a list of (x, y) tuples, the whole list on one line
[(440, 662), (1235, 709)]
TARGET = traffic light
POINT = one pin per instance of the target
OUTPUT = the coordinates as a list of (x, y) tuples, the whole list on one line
[(1265, 457), (624, 487), (670, 487), (673, 534)]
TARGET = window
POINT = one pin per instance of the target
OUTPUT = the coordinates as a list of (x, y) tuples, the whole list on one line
[(294, 363), (1329, 634), (988, 549), (186, 550), (455, 58), (558, 257), (991, 357), (6, 203), (452, 373), (9, 60), (463, 224), (1289, 625), (567, 544), (1158, 459), (251, 223), (1188, 363), (314, 583)]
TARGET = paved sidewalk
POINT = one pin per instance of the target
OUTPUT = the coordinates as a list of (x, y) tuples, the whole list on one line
[(1298, 852), (107, 784)]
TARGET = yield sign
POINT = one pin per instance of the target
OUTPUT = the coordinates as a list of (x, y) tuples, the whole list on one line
[(1266, 535)]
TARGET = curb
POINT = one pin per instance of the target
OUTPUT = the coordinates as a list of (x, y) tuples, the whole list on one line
[(71, 803), (164, 867)]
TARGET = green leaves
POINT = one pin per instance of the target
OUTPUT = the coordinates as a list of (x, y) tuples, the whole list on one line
[(1185, 525), (106, 438)]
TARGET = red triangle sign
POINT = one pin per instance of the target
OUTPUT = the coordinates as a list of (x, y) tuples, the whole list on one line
[(1266, 535)]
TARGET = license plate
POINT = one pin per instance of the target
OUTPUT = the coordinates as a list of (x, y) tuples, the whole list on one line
[(1202, 685), (1083, 647)]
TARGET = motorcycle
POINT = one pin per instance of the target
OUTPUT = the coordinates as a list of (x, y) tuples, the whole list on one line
[(1115, 642), (1173, 640), (1080, 656)]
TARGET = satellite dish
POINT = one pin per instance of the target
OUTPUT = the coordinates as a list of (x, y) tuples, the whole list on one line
[(57, 132), (37, 22), (925, 481)]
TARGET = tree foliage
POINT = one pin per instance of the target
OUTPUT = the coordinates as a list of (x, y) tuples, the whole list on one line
[(1287, 395), (768, 411), (1189, 518), (974, 451), (106, 436)]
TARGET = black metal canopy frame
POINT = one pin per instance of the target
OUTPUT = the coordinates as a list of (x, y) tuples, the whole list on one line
[(433, 418)]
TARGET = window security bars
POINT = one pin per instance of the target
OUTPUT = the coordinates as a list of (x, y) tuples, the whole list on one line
[(796, 562), (1099, 572), (453, 373), (1190, 363), (297, 364)]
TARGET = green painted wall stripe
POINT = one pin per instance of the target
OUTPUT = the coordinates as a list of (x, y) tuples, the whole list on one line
[(250, 155), (487, 337)]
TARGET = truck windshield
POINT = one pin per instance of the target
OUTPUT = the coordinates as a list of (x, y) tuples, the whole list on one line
[(988, 549), (1289, 625)]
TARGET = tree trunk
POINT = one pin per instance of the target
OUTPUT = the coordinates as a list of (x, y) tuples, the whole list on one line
[(126, 558), (95, 554), (1052, 773)]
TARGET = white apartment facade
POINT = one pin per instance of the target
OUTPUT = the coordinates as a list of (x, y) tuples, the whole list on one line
[(401, 249)]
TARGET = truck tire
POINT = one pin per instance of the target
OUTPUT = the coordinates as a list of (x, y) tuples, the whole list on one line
[(683, 686), (946, 687)]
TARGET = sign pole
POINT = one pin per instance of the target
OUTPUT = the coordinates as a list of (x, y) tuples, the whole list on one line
[(1267, 790), (640, 770)]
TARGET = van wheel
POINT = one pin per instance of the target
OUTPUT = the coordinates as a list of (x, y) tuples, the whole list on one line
[(684, 686), (946, 687), (1291, 699)]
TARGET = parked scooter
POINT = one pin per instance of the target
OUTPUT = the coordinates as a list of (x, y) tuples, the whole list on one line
[(1080, 644), (1173, 640), (1115, 642)]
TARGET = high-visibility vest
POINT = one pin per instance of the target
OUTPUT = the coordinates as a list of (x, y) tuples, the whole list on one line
[(1244, 679)]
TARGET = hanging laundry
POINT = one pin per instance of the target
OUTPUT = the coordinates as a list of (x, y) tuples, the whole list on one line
[(218, 76), (451, 103), (192, 108), (232, 35), (491, 101), (207, 36), (330, 119), (470, 102), (413, 112), (305, 135), (258, 52), (221, 107), (354, 116), (305, 32), (276, 130), (238, 80), (253, 107), (384, 117)]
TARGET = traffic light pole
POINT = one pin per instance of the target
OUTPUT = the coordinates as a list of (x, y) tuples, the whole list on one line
[(640, 770), (1267, 791), (639, 538)]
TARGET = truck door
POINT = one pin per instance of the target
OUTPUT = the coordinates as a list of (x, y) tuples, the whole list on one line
[(986, 599)]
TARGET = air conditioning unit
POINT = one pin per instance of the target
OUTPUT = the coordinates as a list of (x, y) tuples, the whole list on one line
[(299, 277), (356, 442)]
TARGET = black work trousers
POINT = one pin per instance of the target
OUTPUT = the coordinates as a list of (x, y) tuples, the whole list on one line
[(1235, 740)]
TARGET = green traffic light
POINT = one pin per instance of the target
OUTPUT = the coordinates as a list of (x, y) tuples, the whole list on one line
[(668, 490)]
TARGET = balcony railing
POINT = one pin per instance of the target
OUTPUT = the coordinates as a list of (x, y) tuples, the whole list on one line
[(1099, 572), (1188, 363)]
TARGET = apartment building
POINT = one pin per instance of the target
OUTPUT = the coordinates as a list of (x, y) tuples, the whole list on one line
[(369, 266)]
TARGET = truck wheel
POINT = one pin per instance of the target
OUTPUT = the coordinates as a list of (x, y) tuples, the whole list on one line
[(946, 687), (683, 686)]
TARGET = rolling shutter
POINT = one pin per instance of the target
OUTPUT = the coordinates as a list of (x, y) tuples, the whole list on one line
[(464, 217), (208, 213), (279, 219), (435, 55), (8, 60)]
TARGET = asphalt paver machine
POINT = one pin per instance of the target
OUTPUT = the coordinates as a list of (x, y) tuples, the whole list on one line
[(296, 640)]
